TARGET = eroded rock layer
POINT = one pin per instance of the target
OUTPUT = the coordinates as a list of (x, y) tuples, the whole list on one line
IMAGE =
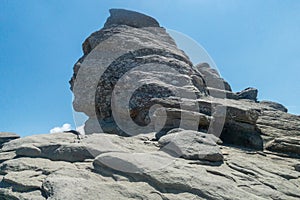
[(192, 137), (140, 168)]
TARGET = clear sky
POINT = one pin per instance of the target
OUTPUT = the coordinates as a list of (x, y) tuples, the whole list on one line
[(254, 43)]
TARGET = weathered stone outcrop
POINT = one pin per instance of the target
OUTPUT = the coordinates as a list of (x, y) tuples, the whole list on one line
[(158, 128), (192, 145), (6, 137), (140, 66), (248, 93), (123, 59), (212, 77), (129, 18), (139, 167), (274, 105)]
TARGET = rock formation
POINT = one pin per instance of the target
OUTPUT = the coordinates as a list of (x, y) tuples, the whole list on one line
[(159, 127), (6, 137)]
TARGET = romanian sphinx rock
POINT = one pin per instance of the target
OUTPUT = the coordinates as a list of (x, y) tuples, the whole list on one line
[(127, 64), (159, 128), (134, 79), (132, 65)]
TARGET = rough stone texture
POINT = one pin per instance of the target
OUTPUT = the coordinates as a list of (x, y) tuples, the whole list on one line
[(53, 146), (192, 145), (279, 129), (6, 137), (248, 93), (297, 167), (285, 145), (7, 156), (212, 77), (23, 181), (274, 105), (29, 150), (137, 168), (258, 159), (147, 51), (239, 119), (130, 18)]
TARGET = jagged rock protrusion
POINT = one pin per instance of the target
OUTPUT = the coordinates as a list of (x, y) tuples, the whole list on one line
[(6, 137), (212, 77), (274, 105), (130, 44), (129, 18), (248, 93)]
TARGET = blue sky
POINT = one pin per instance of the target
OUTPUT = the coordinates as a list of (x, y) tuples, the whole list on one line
[(254, 43)]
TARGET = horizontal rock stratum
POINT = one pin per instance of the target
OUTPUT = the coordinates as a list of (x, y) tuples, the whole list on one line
[(59, 166), (159, 127)]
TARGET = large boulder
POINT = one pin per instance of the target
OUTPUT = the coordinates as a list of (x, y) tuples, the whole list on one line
[(192, 145), (125, 66), (133, 79)]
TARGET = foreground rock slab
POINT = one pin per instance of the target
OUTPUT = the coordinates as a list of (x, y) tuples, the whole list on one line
[(137, 168), (192, 145)]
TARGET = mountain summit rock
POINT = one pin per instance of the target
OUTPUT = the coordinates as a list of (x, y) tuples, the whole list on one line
[(129, 18), (159, 127)]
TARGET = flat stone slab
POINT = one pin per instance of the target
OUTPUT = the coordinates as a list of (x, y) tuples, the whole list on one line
[(192, 145), (6, 137), (7, 156)]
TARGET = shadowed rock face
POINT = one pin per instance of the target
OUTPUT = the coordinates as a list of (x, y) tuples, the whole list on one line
[(132, 64), (135, 60), (129, 18), (6, 137)]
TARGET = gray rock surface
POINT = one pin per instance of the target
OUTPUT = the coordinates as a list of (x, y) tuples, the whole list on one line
[(279, 126), (297, 167), (180, 155), (7, 155), (239, 118), (274, 105), (192, 145), (212, 77), (147, 55), (130, 18), (285, 145), (248, 93), (140, 170), (115, 104), (6, 137)]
